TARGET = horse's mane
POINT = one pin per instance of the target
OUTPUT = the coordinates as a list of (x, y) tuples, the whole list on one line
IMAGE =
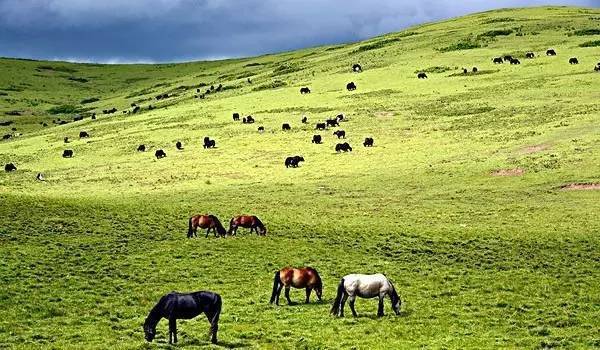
[(258, 222), (317, 274), (156, 313), (394, 295), (220, 226)]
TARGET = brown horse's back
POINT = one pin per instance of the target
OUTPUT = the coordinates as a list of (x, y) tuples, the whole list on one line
[(245, 220), (299, 278)]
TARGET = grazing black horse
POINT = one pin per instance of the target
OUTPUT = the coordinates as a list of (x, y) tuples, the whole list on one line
[(497, 60), (248, 120), (83, 134), (304, 90), (316, 139), (550, 52), (320, 126), (368, 142), (515, 61), (68, 153), (236, 117), (422, 75), (507, 58), (573, 60), (529, 55), (351, 86), (174, 306), (160, 154), (286, 126), (141, 148), (10, 167), (341, 134), (293, 161), (343, 147)]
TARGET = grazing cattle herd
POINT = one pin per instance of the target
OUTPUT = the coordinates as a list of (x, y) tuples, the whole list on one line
[(175, 305)]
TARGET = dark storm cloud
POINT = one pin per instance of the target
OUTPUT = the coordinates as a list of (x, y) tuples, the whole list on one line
[(179, 30)]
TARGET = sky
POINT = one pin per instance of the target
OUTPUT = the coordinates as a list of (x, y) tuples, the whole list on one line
[(125, 31)]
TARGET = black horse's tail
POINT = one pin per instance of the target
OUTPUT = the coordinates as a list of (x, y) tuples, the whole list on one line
[(335, 309), (190, 229), (276, 282)]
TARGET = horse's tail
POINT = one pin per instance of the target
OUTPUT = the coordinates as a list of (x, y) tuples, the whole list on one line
[(231, 225), (190, 229), (276, 282), (335, 309)]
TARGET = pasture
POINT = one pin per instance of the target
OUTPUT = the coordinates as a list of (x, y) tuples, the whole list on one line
[(460, 201)]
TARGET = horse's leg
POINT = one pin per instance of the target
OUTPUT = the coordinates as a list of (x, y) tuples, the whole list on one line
[(279, 288), (172, 330), (351, 302), (207, 232), (342, 303), (287, 295), (308, 289), (380, 308), (213, 318)]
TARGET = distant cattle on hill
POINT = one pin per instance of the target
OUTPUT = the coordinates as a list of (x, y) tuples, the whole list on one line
[(515, 61), (345, 147), (497, 60), (286, 126), (248, 120), (6, 136), (474, 69), (162, 96), (179, 145), (304, 119), (83, 134), (351, 86), (339, 117), (507, 58), (304, 90), (341, 134), (141, 148), (465, 71), (77, 118), (321, 126), (208, 143), (68, 153), (332, 122), (422, 75), (10, 167), (368, 142), (550, 52), (159, 154), (573, 60), (356, 68), (136, 109), (109, 111), (236, 117), (293, 161), (317, 139), (529, 55), (261, 129)]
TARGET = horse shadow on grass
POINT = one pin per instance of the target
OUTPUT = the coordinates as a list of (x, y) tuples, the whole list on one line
[(204, 344)]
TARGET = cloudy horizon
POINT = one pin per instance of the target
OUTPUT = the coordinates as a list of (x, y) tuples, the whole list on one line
[(161, 31)]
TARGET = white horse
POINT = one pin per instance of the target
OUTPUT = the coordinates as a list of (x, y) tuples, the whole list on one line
[(365, 286)]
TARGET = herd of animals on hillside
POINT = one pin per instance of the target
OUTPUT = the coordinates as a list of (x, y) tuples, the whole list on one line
[(292, 161), (174, 305)]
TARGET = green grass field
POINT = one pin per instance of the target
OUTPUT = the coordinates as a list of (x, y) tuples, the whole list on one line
[(480, 261)]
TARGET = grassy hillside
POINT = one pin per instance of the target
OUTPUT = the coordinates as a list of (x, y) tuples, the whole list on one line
[(460, 202)]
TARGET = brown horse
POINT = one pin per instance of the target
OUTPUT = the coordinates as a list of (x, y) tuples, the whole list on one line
[(209, 222), (248, 221), (288, 277)]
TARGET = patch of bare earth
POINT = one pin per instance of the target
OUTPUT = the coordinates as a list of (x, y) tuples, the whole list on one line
[(535, 148), (384, 114), (581, 186), (508, 172)]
